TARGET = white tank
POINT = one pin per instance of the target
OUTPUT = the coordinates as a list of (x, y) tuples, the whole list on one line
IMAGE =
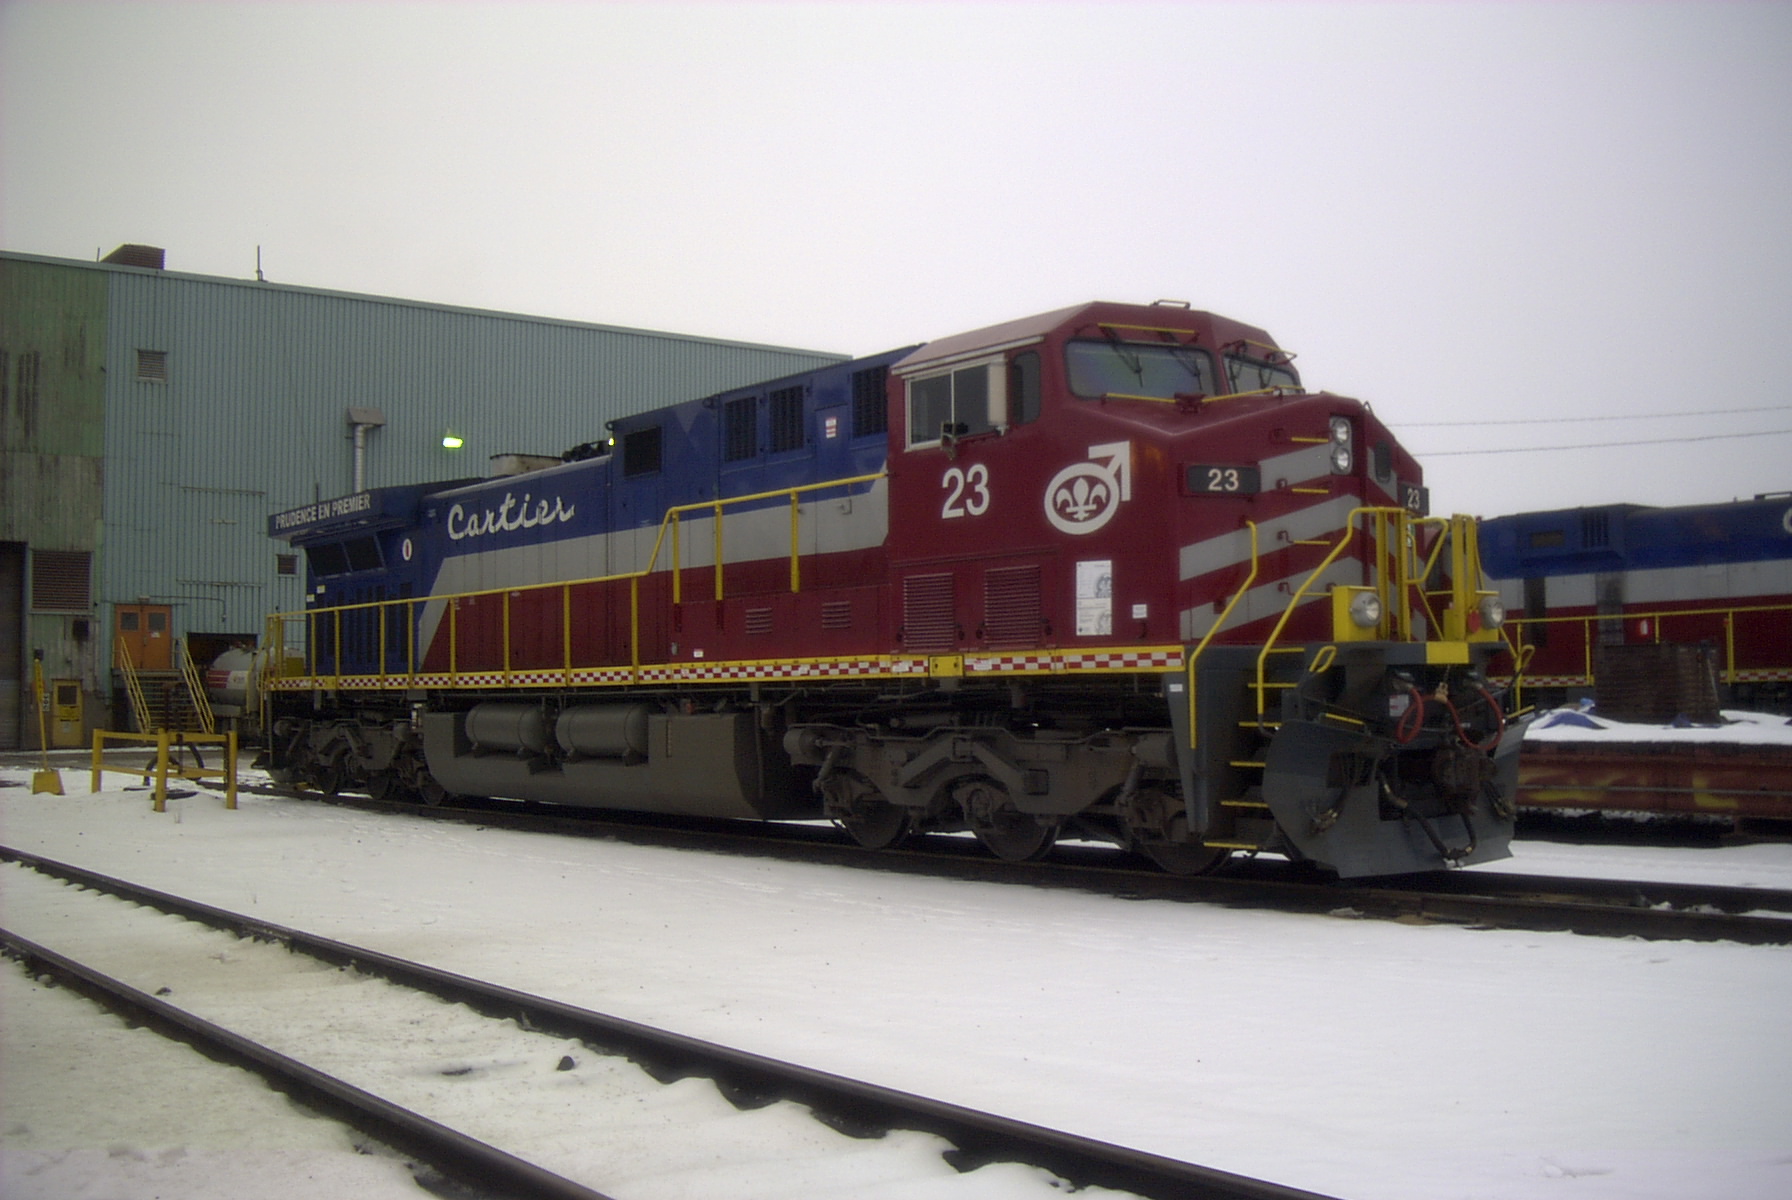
[(229, 682)]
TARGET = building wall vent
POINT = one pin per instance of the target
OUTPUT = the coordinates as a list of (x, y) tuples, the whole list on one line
[(60, 580)]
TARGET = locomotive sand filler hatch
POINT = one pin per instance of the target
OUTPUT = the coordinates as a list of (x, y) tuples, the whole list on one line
[(1108, 570)]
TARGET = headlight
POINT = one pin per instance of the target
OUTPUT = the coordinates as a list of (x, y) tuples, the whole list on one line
[(1343, 458), (1493, 612), (1365, 610)]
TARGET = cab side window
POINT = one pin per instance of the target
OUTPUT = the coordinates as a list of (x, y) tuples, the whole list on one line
[(955, 402)]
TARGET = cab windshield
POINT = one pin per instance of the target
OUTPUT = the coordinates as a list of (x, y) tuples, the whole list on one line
[(1152, 371), (1254, 375)]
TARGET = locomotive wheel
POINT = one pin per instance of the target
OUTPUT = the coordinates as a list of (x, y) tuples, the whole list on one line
[(1184, 858), (329, 777), (858, 807), (876, 824), (1004, 830), (429, 791), (1158, 829), (414, 781)]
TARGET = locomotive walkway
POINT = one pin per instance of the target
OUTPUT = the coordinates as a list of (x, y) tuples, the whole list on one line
[(861, 1110)]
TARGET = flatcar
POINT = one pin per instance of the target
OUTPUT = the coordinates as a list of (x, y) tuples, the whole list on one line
[(1716, 575), (1108, 571)]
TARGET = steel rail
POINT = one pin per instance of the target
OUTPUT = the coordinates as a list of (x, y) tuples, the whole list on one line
[(1635, 893), (852, 1106), (447, 1150)]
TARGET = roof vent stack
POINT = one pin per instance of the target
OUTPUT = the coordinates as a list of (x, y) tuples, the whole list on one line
[(132, 255)]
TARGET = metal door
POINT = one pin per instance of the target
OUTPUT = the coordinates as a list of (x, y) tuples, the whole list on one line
[(143, 630), (67, 714)]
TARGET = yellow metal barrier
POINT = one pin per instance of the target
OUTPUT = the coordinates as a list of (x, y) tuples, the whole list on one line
[(165, 740)]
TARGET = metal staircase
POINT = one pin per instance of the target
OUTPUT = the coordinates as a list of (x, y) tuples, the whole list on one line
[(1243, 822), (174, 700)]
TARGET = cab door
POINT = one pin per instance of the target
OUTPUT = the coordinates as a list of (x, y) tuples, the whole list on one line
[(974, 561), (142, 633)]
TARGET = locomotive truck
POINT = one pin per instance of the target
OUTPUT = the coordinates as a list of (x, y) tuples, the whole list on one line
[(1104, 572)]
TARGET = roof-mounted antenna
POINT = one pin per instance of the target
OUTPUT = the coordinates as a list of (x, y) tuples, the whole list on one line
[(259, 277)]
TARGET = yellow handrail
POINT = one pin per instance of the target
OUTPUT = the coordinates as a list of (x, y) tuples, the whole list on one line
[(1394, 526), (1516, 627), (675, 514), (202, 705), (670, 520), (1294, 601), (1195, 654), (132, 685)]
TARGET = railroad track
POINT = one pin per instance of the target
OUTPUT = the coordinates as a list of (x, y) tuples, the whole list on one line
[(1592, 907), (863, 1111)]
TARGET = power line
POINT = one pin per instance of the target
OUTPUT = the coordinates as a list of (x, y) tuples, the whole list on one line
[(1709, 437), (1709, 412)]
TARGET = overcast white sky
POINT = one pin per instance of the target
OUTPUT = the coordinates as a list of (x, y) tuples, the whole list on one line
[(1458, 212)]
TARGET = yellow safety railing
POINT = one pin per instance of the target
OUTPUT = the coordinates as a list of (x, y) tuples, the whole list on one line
[(196, 694), (132, 685), (326, 625), (1194, 726), (675, 515), (165, 742), (1398, 578), (1523, 652)]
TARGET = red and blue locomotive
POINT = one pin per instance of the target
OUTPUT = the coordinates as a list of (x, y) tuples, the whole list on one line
[(1583, 579), (1102, 572)]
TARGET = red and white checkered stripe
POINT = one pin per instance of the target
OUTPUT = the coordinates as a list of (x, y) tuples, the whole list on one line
[(727, 672), (1160, 659)]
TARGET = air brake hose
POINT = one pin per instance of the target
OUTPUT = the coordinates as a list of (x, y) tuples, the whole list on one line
[(1416, 712)]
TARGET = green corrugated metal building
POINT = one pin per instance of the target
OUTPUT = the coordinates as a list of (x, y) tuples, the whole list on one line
[(151, 421)]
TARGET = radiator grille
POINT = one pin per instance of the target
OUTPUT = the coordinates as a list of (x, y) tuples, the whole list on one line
[(928, 625), (836, 614), (787, 419), (1012, 615), (868, 413)]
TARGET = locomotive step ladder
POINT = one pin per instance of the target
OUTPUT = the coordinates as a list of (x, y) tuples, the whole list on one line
[(1243, 822)]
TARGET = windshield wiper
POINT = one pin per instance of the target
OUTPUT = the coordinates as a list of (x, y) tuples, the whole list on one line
[(1128, 358)]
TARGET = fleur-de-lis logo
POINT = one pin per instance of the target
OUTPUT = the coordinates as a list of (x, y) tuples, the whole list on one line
[(1080, 497), (1085, 496)]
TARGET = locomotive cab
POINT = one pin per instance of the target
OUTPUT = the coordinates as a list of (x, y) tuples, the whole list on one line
[(1082, 500)]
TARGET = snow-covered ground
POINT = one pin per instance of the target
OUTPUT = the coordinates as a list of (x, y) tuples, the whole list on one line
[(1367, 1060), (1738, 729)]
